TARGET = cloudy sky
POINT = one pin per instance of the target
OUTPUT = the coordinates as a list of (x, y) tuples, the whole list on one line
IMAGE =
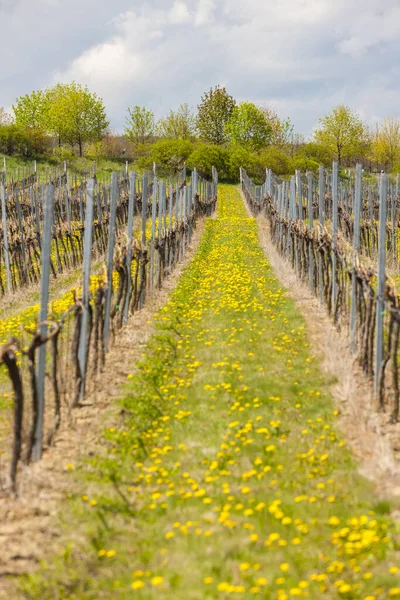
[(300, 56)]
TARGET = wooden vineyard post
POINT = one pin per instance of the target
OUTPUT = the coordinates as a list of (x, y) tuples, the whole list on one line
[(335, 233), (393, 218), (321, 189), (310, 227), (293, 206), (356, 246), (5, 235), (87, 250), (299, 194), (380, 297), (159, 233), (153, 230), (145, 197), (110, 259), (131, 211), (22, 233), (44, 300)]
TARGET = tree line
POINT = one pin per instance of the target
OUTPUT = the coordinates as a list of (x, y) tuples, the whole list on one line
[(68, 118)]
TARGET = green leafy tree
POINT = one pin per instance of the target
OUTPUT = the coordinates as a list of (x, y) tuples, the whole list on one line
[(30, 111), (69, 111), (214, 112), (76, 115), (248, 126), (343, 132), (385, 147), (180, 124), (140, 125), (58, 112), (30, 117), (281, 129)]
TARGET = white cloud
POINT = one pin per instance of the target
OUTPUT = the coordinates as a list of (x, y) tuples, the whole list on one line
[(204, 12), (179, 13)]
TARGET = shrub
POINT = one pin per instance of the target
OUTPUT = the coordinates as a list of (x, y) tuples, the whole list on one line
[(204, 157), (169, 155), (274, 158), (240, 157)]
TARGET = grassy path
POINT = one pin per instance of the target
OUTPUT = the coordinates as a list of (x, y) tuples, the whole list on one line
[(226, 476)]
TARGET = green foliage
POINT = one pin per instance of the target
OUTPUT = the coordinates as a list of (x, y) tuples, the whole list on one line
[(205, 156), (316, 153), (343, 133), (61, 153), (214, 112), (248, 126), (168, 154), (281, 129), (276, 159), (68, 111), (140, 125), (385, 147), (304, 163), (76, 115), (241, 157), (15, 139), (31, 110), (180, 124)]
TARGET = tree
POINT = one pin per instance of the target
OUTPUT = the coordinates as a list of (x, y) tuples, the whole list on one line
[(385, 148), (248, 126), (180, 124), (31, 110), (140, 125), (214, 112), (30, 113), (342, 132), (69, 111), (5, 118), (76, 115), (281, 129)]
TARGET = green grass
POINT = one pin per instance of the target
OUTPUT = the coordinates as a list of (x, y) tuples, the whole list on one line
[(226, 476)]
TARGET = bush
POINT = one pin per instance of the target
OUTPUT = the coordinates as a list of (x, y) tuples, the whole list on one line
[(25, 142), (205, 156), (304, 163), (274, 158), (316, 153), (111, 147), (60, 153), (169, 155), (240, 157)]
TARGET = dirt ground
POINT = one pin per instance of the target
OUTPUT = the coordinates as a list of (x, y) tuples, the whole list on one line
[(28, 523)]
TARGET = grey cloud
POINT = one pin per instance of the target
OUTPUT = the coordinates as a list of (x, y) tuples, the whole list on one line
[(301, 56)]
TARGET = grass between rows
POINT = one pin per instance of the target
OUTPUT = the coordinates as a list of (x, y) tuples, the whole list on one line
[(226, 474)]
